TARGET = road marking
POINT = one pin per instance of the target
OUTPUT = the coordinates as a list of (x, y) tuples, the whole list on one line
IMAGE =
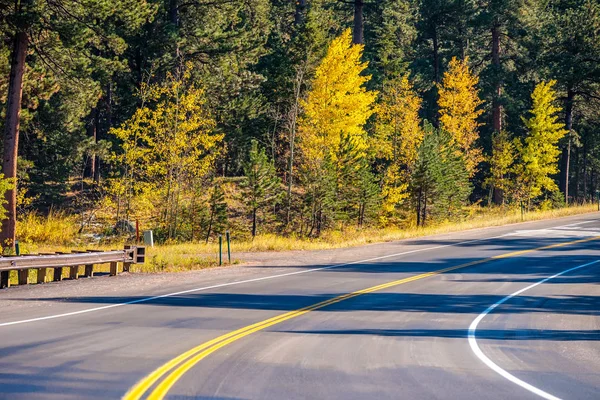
[(151, 298), (179, 365), (490, 363), (146, 299), (264, 278)]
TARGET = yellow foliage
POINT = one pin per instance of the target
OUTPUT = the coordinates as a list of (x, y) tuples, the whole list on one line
[(501, 161), (338, 103), (398, 137), (399, 131), (166, 147), (539, 151), (56, 228), (458, 103)]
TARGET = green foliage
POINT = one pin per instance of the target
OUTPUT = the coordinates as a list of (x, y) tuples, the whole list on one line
[(216, 220), (166, 95), (501, 162), (262, 187), (357, 189), (5, 185), (440, 183)]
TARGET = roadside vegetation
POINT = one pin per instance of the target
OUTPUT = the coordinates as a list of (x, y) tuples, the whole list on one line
[(177, 257), (279, 123)]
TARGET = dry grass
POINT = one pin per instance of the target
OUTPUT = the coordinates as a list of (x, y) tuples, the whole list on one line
[(59, 233), (56, 228)]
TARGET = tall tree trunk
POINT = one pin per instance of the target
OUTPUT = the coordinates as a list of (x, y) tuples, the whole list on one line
[(566, 153), (419, 208), (292, 139), (11, 134), (585, 174), (496, 103), (358, 35), (253, 222), (300, 13), (577, 175), (92, 170), (436, 55)]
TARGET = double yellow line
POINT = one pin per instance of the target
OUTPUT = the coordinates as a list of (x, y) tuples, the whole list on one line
[(179, 365)]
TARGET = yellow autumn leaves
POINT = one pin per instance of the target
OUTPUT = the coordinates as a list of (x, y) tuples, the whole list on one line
[(168, 146), (459, 109), (338, 105), (357, 146)]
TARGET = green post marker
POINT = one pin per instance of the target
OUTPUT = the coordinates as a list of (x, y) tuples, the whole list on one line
[(220, 249), (17, 248), (522, 212), (228, 246)]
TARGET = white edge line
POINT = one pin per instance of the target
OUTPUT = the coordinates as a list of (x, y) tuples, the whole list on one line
[(146, 299), (490, 363)]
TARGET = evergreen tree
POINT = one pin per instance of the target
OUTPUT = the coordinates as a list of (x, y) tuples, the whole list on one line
[(501, 161), (357, 189), (261, 187), (216, 220), (569, 37), (67, 39), (440, 183)]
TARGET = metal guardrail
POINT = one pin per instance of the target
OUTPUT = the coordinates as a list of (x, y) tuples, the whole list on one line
[(41, 262)]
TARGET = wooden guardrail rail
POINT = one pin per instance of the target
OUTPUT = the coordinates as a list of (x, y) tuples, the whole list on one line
[(58, 261)]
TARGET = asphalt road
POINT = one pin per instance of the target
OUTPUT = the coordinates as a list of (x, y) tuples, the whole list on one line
[(304, 327)]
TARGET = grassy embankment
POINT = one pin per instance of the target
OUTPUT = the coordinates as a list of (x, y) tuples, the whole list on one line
[(58, 232)]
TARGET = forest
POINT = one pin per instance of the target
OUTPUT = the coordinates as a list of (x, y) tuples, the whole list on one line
[(295, 117)]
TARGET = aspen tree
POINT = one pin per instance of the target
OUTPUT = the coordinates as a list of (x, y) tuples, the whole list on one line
[(337, 107), (458, 103), (398, 137)]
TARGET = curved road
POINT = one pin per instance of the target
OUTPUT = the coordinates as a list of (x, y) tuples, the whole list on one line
[(384, 321)]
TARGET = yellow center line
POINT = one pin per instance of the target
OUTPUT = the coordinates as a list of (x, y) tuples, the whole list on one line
[(184, 362)]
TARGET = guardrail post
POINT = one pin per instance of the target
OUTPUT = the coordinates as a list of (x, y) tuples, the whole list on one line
[(58, 271), (126, 265), (74, 272), (23, 276), (41, 275), (4, 279), (89, 271), (113, 268)]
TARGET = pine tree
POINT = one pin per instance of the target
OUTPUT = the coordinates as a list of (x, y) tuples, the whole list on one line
[(216, 221), (458, 103), (357, 189), (538, 152), (501, 161), (261, 187), (440, 183), (67, 40)]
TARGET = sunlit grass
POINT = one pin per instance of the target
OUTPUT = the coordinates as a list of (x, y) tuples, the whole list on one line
[(193, 256), (57, 228)]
